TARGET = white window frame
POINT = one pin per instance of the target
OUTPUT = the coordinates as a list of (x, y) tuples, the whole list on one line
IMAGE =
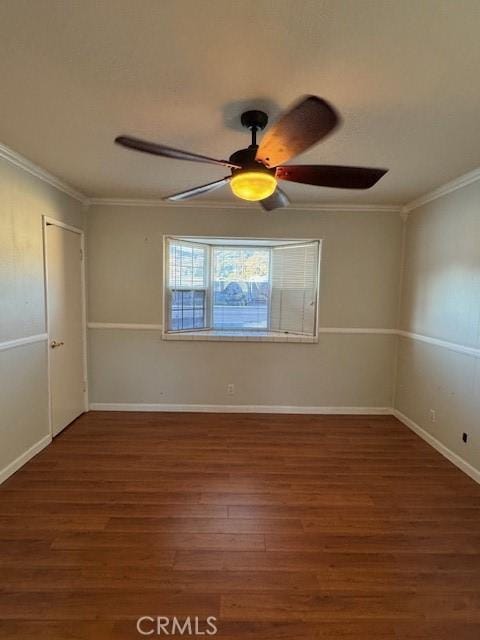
[(234, 334), (167, 297)]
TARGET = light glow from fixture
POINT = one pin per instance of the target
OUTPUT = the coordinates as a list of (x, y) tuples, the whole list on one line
[(253, 185)]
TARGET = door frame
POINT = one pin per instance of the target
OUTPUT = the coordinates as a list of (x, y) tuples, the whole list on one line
[(47, 221)]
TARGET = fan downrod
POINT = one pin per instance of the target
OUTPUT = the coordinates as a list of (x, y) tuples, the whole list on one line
[(254, 120)]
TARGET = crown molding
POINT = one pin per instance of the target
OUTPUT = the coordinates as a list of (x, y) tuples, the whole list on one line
[(146, 202), (443, 190), (156, 202), (20, 161)]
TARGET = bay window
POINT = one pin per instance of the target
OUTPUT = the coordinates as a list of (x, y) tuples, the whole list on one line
[(231, 286)]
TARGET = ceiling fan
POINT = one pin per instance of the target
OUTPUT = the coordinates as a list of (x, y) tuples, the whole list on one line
[(256, 169)]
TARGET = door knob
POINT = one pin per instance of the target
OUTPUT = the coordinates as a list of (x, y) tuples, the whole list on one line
[(54, 344)]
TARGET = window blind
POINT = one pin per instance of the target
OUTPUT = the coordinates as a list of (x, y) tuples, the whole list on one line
[(294, 288)]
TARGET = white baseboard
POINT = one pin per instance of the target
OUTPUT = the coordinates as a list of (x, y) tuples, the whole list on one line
[(237, 408), (7, 471), (459, 462)]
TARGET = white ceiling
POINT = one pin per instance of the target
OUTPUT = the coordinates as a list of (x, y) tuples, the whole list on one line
[(403, 74)]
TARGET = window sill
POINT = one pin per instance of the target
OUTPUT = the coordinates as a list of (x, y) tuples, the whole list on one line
[(239, 336)]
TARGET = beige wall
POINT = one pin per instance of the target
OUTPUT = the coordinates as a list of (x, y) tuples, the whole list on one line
[(441, 299), (359, 288), (23, 369)]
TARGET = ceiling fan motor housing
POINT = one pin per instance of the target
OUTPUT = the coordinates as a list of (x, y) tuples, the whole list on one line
[(246, 159)]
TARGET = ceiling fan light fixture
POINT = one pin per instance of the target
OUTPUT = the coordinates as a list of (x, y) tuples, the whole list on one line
[(253, 185), (255, 169)]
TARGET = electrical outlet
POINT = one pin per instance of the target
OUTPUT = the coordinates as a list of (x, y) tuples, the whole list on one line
[(465, 437), (433, 415), (230, 389)]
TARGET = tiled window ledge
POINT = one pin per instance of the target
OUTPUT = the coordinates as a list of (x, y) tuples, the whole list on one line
[(239, 336)]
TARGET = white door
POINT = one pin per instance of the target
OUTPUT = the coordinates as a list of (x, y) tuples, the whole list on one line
[(65, 316)]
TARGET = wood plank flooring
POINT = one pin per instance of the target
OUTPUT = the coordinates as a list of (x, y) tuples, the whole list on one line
[(282, 527)]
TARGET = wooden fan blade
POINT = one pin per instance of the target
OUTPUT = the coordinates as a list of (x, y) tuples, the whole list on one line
[(331, 176), (277, 200), (196, 191), (169, 152), (302, 126)]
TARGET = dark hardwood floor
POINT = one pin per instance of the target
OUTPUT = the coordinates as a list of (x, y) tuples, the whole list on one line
[(281, 527)]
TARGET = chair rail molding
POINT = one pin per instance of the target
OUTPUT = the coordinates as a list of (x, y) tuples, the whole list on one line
[(20, 342)]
